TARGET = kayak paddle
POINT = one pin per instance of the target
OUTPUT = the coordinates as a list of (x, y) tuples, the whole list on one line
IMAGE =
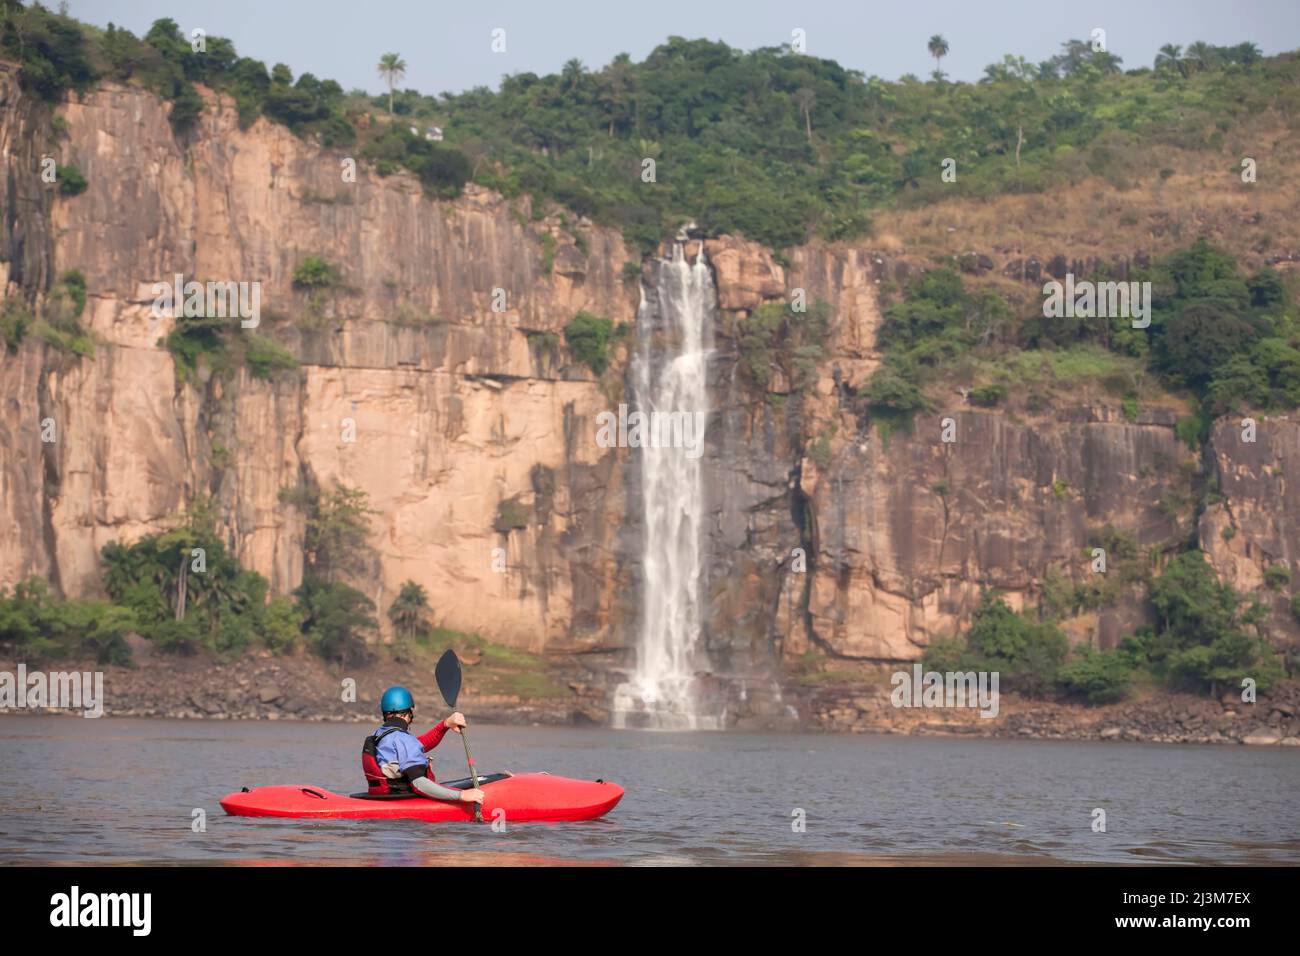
[(447, 674)]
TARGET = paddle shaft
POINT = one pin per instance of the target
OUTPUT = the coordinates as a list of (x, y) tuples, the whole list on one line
[(473, 775)]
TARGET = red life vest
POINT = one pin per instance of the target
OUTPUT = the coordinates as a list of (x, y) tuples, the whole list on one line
[(376, 782)]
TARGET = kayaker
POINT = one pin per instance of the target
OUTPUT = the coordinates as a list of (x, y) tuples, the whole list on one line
[(393, 759)]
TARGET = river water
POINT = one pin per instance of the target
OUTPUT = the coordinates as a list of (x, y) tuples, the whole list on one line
[(124, 791)]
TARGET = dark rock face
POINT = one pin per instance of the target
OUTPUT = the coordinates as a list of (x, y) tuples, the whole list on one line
[(751, 475), (26, 272), (26, 248), (1255, 525), (910, 529)]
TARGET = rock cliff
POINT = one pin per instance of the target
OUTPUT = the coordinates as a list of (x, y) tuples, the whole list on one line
[(455, 407), (441, 348)]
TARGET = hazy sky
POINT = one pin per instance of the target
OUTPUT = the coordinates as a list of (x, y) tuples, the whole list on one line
[(446, 45)]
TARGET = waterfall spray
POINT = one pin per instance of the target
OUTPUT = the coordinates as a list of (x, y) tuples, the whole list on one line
[(671, 377)]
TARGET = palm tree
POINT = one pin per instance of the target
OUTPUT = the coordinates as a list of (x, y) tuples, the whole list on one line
[(393, 69), (124, 567), (1245, 53), (408, 610), (938, 48), (805, 98), (1108, 63), (1170, 58), (1203, 54), (572, 73)]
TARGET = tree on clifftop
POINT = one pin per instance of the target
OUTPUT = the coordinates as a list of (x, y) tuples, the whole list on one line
[(392, 68), (1171, 57), (938, 48)]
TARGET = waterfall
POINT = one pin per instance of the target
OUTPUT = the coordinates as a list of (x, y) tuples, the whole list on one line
[(669, 377)]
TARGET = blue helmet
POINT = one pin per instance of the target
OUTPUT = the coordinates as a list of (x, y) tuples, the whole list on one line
[(396, 699)]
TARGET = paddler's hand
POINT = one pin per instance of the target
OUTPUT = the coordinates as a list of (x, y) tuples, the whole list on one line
[(455, 722), (471, 796)]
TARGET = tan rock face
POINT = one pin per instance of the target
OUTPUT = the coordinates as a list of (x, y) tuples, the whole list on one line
[(847, 280), (454, 409), (747, 275)]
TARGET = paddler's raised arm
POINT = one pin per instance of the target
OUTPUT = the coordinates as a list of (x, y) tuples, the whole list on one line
[(434, 737)]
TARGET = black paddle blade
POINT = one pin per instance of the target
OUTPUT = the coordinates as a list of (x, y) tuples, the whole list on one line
[(447, 674)]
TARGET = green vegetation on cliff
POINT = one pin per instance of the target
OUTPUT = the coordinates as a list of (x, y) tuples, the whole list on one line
[(70, 180), (221, 344), (57, 53), (1233, 340), (1230, 340), (1205, 632), (60, 324), (15, 320), (183, 590), (180, 589), (336, 617), (1206, 637), (775, 145), (780, 146), (588, 337), (442, 171), (775, 339), (1026, 653), (40, 625)]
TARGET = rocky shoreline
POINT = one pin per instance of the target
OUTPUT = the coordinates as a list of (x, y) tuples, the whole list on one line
[(1149, 717), (261, 686)]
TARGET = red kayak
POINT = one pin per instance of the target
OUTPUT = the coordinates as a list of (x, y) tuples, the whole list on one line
[(523, 797)]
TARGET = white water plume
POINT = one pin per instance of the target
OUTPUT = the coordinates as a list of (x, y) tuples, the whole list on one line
[(670, 372)]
